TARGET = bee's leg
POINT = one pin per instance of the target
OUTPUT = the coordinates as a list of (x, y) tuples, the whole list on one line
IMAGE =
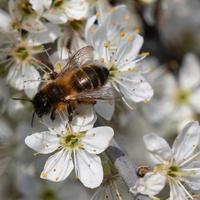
[(53, 75), (53, 114), (87, 101), (70, 111)]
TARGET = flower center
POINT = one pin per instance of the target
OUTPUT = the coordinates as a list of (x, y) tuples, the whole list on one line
[(173, 171), (21, 53), (57, 3), (76, 25), (26, 8), (113, 69), (71, 141), (182, 97)]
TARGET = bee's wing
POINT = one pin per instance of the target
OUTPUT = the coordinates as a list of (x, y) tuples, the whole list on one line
[(81, 57), (106, 93)]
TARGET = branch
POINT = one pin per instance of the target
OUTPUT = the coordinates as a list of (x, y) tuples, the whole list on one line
[(125, 167)]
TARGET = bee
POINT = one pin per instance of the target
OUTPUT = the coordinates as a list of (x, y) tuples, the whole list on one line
[(142, 170), (80, 81)]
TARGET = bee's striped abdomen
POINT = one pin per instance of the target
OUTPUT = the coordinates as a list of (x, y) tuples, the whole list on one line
[(89, 77), (102, 74)]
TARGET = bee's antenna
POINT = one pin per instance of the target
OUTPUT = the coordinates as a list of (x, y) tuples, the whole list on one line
[(21, 99), (32, 120)]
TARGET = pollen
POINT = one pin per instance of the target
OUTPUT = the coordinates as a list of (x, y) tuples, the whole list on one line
[(146, 101), (122, 34), (145, 54), (44, 175), (98, 14), (137, 30), (130, 38), (101, 60), (127, 17), (58, 68), (106, 44), (93, 30)]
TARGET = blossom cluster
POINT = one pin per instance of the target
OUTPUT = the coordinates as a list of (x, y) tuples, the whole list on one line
[(76, 75)]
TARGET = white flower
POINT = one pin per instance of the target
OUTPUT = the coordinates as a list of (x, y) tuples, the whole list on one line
[(118, 51), (177, 166), (60, 11), (176, 100), (39, 33), (71, 40), (21, 16), (50, 35), (75, 148), (117, 18), (19, 55), (178, 25)]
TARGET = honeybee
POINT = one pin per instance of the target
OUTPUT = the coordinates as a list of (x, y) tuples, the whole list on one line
[(80, 81)]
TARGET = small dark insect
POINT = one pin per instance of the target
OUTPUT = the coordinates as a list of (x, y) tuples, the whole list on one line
[(142, 170)]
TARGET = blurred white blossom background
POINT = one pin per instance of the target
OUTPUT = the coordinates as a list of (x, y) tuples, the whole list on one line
[(146, 99)]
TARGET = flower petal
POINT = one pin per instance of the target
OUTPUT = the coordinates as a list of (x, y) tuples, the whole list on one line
[(176, 192), (14, 77), (5, 21), (90, 29), (194, 100), (89, 169), (190, 72), (52, 33), (43, 142), (193, 179), (151, 184), (128, 50), (13, 11), (58, 166), (134, 87), (40, 5), (56, 16), (84, 119), (105, 109), (31, 24), (157, 147), (97, 139), (186, 142), (31, 81), (77, 9)]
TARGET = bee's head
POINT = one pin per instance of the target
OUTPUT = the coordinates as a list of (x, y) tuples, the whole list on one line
[(41, 104)]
